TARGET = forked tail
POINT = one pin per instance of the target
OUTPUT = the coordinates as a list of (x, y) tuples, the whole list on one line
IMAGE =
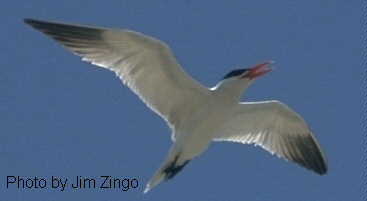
[(173, 164)]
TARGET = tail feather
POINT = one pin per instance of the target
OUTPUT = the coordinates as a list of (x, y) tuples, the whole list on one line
[(168, 170)]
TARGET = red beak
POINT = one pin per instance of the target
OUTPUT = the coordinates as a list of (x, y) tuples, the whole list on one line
[(258, 70)]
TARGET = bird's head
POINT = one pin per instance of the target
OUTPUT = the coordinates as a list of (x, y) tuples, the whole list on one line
[(236, 82)]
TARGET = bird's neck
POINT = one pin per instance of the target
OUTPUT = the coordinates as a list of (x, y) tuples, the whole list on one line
[(230, 92)]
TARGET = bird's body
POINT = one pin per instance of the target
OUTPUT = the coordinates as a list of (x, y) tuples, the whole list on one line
[(196, 115), (200, 126)]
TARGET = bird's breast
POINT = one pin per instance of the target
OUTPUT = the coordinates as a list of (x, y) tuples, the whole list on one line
[(198, 130)]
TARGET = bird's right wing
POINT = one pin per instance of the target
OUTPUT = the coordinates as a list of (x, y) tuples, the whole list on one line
[(146, 65), (279, 130)]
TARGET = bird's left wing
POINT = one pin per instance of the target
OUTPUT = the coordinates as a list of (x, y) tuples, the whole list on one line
[(276, 128), (146, 65)]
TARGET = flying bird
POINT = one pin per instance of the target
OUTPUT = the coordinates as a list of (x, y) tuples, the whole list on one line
[(195, 114)]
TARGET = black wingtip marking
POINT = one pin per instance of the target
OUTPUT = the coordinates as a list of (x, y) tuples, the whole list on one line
[(311, 156), (31, 21), (27, 20), (62, 31), (172, 169)]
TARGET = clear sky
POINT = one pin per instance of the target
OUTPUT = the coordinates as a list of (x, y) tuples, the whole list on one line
[(62, 117)]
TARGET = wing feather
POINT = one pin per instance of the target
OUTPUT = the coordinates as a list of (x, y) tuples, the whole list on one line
[(146, 65), (277, 129)]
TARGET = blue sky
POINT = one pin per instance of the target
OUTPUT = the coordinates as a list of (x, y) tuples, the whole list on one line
[(63, 117)]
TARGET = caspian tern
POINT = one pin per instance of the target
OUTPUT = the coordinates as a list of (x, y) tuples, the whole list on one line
[(196, 115)]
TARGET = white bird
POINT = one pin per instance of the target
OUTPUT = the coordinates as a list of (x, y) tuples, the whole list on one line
[(196, 115)]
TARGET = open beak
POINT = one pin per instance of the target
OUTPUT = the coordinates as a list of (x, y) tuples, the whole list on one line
[(258, 70)]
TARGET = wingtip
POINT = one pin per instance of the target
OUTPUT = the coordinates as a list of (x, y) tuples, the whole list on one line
[(36, 23), (319, 172), (322, 167), (29, 21), (323, 171), (32, 22)]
